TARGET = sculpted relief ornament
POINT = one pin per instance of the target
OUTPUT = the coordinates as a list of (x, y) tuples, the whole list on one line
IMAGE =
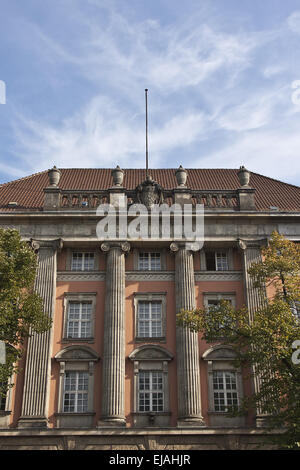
[(149, 193)]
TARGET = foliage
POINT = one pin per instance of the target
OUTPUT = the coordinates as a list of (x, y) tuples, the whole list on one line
[(263, 341), (21, 309)]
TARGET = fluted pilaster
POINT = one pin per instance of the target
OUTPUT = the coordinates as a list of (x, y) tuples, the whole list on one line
[(187, 350), (38, 358), (113, 398)]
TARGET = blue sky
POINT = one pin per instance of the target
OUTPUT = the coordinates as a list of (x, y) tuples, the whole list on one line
[(219, 74)]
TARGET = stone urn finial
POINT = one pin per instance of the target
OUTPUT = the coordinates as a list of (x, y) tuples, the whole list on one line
[(244, 176), (181, 176), (54, 175), (118, 176)]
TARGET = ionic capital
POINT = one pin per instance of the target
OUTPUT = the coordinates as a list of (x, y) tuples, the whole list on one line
[(55, 245), (123, 246)]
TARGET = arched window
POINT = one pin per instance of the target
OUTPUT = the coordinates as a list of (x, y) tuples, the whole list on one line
[(225, 386), (76, 386), (151, 387)]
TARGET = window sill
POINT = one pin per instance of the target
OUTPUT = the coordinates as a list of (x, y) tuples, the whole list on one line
[(4, 413)]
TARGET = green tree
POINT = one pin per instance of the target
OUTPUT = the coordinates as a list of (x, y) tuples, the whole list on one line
[(21, 309), (264, 344)]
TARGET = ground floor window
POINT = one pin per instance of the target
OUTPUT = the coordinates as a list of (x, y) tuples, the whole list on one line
[(151, 391), (224, 390), (76, 391)]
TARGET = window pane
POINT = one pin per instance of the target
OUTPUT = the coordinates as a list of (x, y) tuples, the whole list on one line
[(89, 261), (151, 391), (79, 323), (149, 319), (75, 392), (143, 261), (155, 261), (225, 381), (221, 261), (149, 261), (77, 261), (210, 261)]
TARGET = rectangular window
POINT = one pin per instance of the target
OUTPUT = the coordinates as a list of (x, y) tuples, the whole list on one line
[(149, 262), (151, 394), (216, 261), (149, 319), (214, 304), (83, 261), (224, 390), (76, 392), (79, 319)]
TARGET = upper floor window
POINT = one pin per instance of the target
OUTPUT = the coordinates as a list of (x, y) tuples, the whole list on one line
[(149, 261), (79, 320), (75, 399), (216, 261), (224, 390), (83, 261), (150, 318), (151, 391)]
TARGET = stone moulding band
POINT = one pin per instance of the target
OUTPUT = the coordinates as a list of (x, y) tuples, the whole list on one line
[(153, 276)]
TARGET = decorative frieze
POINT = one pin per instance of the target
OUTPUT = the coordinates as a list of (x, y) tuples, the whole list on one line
[(138, 276)]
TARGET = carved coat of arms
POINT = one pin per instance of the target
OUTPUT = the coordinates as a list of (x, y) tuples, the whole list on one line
[(149, 193)]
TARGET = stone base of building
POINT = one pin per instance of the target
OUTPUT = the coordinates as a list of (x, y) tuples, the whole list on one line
[(262, 421), (191, 422), (141, 439), (111, 423), (33, 422)]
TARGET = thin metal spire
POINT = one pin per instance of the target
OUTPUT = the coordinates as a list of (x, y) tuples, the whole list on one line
[(146, 99)]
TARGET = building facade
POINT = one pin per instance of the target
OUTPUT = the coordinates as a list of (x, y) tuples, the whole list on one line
[(115, 371)]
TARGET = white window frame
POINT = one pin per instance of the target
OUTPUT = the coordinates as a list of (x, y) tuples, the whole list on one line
[(85, 255), (151, 358), (217, 297), (220, 358), (151, 391), (226, 391), (76, 358), (149, 254), (80, 298), (229, 257), (150, 297), (150, 321), (76, 391)]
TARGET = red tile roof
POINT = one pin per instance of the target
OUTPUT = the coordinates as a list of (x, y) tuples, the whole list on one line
[(28, 191)]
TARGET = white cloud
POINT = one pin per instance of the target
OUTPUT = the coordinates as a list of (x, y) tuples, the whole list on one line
[(293, 22)]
